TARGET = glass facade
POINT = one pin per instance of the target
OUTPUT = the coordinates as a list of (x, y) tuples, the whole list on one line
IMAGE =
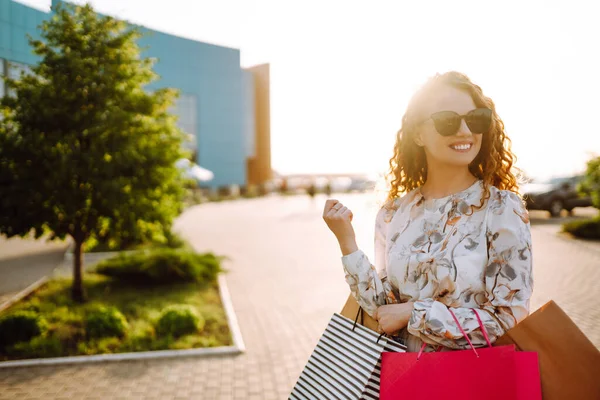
[(2, 62), (186, 109), (216, 107), (14, 70)]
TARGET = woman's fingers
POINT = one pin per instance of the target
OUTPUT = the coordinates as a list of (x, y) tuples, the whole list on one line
[(339, 219), (347, 214), (336, 211), (329, 205)]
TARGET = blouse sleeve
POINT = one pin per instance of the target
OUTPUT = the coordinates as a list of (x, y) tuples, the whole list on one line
[(508, 283), (368, 283)]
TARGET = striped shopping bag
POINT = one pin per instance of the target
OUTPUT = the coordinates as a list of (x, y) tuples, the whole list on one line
[(345, 364)]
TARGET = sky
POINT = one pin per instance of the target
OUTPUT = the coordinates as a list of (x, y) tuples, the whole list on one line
[(342, 72)]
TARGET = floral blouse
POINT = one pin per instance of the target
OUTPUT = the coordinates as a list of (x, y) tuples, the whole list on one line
[(449, 253)]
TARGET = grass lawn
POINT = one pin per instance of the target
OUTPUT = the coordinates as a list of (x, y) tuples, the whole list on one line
[(141, 306)]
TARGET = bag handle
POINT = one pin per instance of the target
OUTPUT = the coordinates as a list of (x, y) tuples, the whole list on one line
[(360, 312), (481, 327), (356, 319)]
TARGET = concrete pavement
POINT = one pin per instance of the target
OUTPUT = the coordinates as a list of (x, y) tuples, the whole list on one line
[(25, 260), (285, 280)]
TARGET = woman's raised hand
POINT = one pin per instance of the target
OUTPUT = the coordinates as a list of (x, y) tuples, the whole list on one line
[(339, 220)]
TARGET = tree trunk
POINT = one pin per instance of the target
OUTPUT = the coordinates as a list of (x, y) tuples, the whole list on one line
[(78, 292)]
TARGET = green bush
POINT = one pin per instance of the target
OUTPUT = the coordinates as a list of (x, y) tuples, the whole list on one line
[(174, 241), (105, 244), (38, 347), (590, 186), (162, 266), (585, 229), (107, 345), (20, 326), (179, 320), (101, 322)]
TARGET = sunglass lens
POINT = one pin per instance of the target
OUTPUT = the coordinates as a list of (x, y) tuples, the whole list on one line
[(446, 122), (479, 120)]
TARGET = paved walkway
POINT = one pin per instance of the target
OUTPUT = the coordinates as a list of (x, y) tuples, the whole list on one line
[(24, 261), (285, 280)]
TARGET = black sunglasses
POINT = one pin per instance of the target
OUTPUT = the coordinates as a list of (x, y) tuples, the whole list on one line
[(447, 123)]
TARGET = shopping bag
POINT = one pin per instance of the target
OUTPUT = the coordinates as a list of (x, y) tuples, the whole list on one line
[(569, 362), (494, 373), (352, 307), (345, 364)]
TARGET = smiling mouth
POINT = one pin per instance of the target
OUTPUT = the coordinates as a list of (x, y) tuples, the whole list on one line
[(461, 147)]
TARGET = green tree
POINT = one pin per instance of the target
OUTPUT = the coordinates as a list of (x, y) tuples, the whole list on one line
[(590, 185), (84, 148)]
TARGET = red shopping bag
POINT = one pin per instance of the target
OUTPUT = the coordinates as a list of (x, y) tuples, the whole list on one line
[(489, 373)]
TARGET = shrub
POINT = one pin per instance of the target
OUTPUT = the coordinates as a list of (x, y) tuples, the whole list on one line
[(69, 335), (140, 341), (590, 186), (586, 229), (170, 240), (38, 347), (101, 322), (20, 326), (179, 320), (107, 345), (174, 241), (162, 266)]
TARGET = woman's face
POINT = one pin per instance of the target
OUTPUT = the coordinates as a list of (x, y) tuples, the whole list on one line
[(459, 149)]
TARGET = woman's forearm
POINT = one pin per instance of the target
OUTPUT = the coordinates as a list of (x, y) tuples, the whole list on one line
[(348, 246)]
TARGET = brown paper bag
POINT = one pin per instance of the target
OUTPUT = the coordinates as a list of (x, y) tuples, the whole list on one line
[(569, 362), (350, 310)]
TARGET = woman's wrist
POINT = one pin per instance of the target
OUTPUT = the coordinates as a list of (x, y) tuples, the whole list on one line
[(348, 246), (406, 312)]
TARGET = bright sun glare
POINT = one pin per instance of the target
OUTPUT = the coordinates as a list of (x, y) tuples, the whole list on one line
[(343, 72)]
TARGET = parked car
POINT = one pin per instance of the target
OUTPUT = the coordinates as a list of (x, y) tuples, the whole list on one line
[(555, 195), (361, 185)]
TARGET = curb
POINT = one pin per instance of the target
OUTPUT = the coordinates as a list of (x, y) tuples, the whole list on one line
[(23, 293), (238, 346), (234, 327), (142, 355)]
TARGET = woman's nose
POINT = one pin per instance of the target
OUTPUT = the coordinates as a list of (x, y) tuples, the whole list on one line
[(463, 130)]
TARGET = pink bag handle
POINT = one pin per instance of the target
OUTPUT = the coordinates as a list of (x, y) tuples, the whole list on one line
[(463, 331), (481, 326)]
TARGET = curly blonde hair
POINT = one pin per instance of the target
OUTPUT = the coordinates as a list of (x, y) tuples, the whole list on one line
[(494, 165)]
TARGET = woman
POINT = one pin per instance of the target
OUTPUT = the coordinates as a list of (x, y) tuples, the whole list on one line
[(458, 239)]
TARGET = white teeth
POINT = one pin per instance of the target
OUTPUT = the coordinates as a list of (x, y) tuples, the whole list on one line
[(461, 147)]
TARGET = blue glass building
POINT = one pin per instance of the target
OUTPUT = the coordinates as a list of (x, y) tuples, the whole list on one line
[(220, 103)]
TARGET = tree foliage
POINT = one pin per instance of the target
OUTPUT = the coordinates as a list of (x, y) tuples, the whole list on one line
[(85, 149), (590, 185)]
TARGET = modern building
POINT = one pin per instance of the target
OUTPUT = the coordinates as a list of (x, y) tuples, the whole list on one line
[(223, 107)]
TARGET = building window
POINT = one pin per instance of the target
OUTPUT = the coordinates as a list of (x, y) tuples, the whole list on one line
[(186, 108)]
